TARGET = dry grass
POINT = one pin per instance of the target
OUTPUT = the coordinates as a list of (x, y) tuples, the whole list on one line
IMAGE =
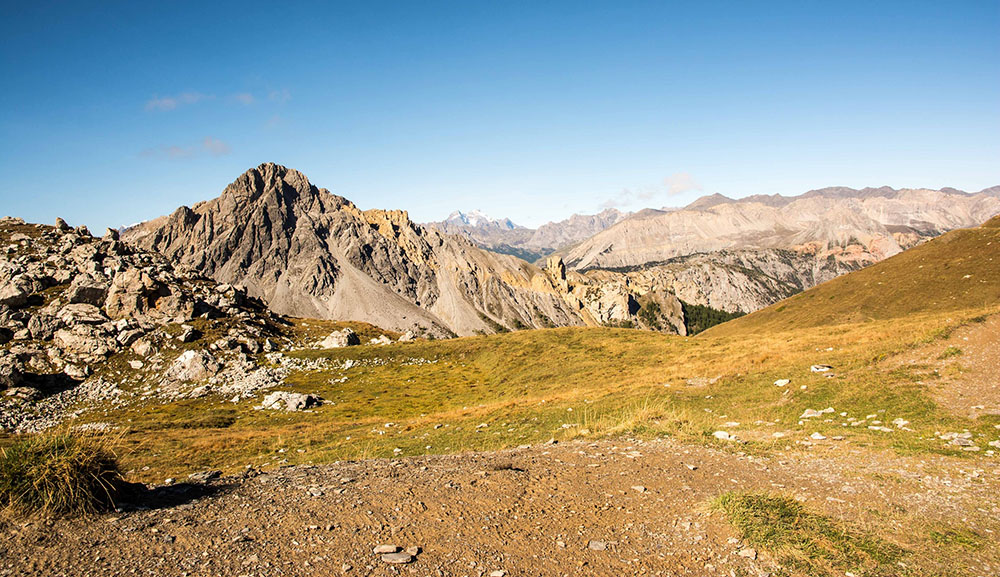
[(59, 474)]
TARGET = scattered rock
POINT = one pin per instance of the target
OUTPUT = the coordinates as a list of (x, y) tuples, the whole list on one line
[(288, 401), (597, 546), (820, 368), (782, 382), (204, 476), (747, 552)]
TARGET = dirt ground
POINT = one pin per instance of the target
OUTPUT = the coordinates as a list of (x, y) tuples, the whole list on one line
[(580, 508), (967, 366)]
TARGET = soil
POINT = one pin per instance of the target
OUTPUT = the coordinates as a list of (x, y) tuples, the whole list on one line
[(540, 510)]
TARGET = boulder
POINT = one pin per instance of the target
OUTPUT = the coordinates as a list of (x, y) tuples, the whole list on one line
[(382, 340), (110, 234), (43, 326), (287, 401), (193, 366), (407, 337), (86, 289), (81, 314), (15, 293), (82, 339), (340, 339), (133, 292), (11, 371), (61, 225)]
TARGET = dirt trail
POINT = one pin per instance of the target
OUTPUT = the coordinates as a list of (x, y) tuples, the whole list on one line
[(530, 511), (967, 365)]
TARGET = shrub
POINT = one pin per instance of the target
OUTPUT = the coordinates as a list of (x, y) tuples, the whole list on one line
[(59, 474)]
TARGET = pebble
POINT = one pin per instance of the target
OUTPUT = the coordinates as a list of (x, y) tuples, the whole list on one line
[(817, 436), (597, 546), (639, 488), (382, 549), (749, 553), (400, 558)]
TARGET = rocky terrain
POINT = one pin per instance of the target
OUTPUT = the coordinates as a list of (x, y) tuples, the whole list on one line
[(849, 225), (84, 318), (309, 253)]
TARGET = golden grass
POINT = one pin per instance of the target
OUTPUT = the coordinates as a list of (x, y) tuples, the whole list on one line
[(531, 386)]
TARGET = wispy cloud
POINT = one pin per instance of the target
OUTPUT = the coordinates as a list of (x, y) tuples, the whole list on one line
[(673, 185), (679, 183), (172, 102), (281, 96), (209, 146), (244, 98), (215, 147)]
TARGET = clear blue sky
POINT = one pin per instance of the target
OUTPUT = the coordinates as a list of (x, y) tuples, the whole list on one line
[(115, 112)]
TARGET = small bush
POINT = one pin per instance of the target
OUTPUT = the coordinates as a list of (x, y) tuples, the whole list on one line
[(59, 474)]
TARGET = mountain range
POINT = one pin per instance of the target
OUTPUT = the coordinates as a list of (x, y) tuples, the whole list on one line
[(310, 253), (532, 245)]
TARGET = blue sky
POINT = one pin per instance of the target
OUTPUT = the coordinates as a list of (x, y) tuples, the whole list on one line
[(112, 113)]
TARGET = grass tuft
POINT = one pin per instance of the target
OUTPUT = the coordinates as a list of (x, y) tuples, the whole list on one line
[(59, 474), (807, 543)]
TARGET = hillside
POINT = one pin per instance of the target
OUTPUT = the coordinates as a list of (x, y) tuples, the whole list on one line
[(956, 271), (863, 226)]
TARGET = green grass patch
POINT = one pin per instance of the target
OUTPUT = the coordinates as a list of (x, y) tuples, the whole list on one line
[(806, 543), (59, 474), (961, 538), (949, 352)]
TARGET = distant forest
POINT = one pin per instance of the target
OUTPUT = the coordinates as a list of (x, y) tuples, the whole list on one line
[(700, 317)]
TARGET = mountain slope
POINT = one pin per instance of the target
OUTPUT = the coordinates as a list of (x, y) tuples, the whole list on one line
[(871, 224), (956, 271), (308, 252)]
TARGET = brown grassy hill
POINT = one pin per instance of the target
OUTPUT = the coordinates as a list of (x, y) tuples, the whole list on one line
[(959, 270)]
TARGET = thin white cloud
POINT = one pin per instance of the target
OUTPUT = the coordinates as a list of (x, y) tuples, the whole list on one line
[(680, 182), (244, 98), (172, 102), (215, 147), (673, 185), (209, 146)]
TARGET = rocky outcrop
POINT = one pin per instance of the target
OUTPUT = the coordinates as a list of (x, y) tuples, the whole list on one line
[(310, 253), (85, 302)]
